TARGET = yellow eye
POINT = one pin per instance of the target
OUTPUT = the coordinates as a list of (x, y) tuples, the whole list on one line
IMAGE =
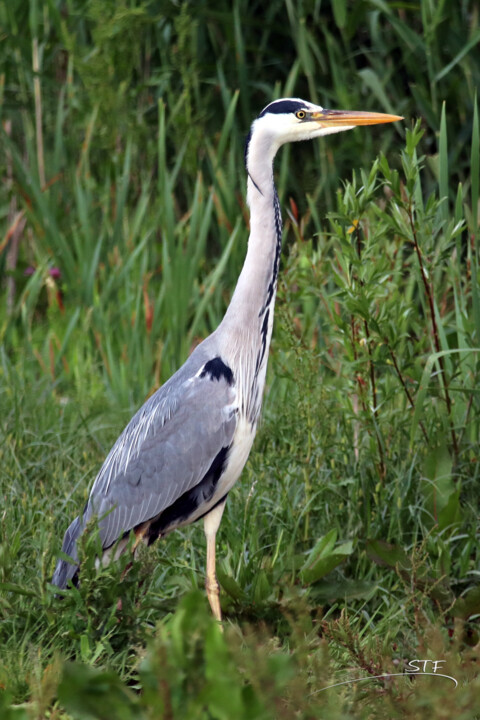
[(300, 114)]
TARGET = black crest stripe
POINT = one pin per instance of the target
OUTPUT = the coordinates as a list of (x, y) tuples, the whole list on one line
[(282, 106)]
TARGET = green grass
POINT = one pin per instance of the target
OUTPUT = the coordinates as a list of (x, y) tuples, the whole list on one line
[(350, 546)]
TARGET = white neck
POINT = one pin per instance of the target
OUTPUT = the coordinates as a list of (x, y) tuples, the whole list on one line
[(251, 292), (248, 321)]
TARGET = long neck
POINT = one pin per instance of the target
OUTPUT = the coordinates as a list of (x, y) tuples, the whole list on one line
[(257, 283), (249, 317)]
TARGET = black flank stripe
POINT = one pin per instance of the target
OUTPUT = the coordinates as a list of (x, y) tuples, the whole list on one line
[(276, 261), (261, 354), (184, 507)]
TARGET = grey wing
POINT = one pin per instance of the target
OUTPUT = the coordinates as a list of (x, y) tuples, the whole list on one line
[(165, 451)]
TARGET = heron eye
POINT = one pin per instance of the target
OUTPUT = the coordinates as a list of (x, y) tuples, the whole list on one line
[(300, 114)]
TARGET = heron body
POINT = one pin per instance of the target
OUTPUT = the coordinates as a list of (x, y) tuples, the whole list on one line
[(182, 452)]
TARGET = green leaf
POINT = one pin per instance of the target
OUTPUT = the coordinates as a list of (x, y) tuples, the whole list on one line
[(451, 514), (97, 695), (221, 695), (230, 585), (263, 587), (329, 591), (322, 547), (7, 712), (468, 605), (323, 558), (384, 553), (18, 589), (322, 567), (438, 485), (339, 8)]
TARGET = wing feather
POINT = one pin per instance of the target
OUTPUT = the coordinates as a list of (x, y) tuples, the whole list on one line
[(165, 450)]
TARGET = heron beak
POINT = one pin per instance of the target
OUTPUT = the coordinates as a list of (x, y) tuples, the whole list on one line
[(350, 118)]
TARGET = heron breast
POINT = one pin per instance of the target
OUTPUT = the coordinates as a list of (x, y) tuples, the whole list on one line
[(239, 452)]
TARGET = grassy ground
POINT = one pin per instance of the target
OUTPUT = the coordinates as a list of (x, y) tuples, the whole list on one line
[(349, 549)]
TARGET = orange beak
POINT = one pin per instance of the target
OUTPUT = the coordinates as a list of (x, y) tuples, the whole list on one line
[(350, 118)]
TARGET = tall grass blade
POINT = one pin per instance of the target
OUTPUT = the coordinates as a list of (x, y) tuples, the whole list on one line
[(211, 283), (72, 323), (473, 42), (475, 196), (443, 163)]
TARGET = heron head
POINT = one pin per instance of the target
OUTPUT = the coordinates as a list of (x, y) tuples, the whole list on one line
[(292, 119)]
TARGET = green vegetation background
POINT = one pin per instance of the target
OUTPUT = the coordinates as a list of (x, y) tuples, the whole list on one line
[(351, 545)]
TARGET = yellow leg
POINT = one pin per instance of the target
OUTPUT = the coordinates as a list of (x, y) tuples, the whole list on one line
[(211, 524)]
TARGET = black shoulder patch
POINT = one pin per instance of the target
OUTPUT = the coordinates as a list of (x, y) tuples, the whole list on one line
[(282, 106), (217, 369)]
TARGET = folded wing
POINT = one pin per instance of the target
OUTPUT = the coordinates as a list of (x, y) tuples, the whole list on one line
[(169, 447)]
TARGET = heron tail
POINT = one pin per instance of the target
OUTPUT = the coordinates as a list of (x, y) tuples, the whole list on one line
[(64, 570)]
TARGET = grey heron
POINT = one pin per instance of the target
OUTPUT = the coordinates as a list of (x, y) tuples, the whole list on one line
[(182, 452)]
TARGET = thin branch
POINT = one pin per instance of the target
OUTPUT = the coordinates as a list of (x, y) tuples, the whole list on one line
[(373, 384), (405, 386), (382, 468), (429, 293)]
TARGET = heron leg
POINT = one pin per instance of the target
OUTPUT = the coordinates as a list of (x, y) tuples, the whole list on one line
[(211, 523)]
